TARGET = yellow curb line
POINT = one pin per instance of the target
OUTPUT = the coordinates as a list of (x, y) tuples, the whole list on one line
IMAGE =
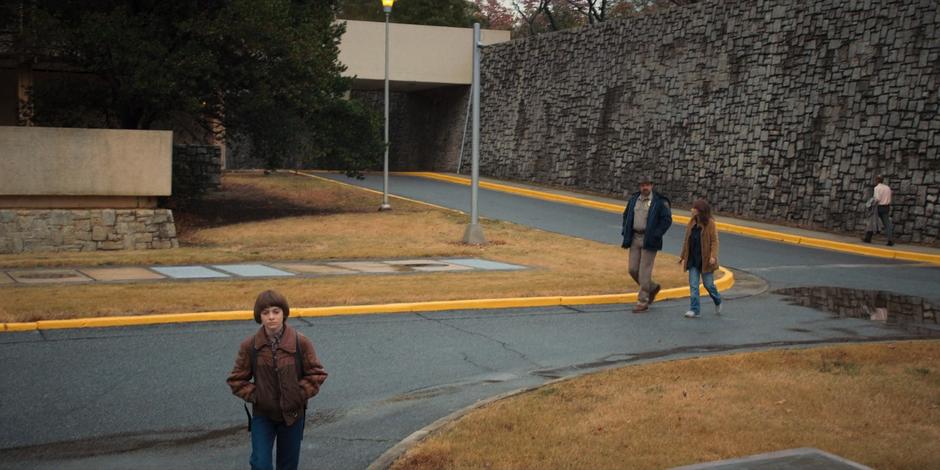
[(724, 283), (730, 228)]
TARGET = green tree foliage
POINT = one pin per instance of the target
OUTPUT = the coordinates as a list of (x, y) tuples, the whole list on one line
[(457, 13), (263, 70)]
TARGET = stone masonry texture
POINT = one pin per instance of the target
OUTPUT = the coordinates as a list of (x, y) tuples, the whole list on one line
[(425, 127), (774, 110), (38, 230), (197, 169)]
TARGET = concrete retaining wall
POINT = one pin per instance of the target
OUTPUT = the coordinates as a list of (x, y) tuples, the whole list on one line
[(47, 161)]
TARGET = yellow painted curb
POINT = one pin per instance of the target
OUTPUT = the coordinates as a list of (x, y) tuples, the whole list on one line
[(725, 282), (101, 322), (25, 326), (730, 228), (521, 191)]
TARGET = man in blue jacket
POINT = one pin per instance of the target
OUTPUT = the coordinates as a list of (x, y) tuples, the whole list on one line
[(645, 221)]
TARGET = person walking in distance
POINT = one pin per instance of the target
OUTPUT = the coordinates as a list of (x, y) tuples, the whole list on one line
[(882, 197), (286, 373), (699, 256), (646, 219)]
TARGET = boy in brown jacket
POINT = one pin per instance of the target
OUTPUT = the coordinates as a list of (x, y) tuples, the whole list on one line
[(286, 373)]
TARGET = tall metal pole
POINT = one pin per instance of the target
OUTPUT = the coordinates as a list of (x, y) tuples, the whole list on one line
[(385, 206), (474, 233)]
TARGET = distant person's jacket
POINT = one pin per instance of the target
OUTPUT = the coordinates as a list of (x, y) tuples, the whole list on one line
[(658, 222), (709, 247)]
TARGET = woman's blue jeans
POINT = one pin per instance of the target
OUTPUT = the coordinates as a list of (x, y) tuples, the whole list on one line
[(708, 279), (264, 433)]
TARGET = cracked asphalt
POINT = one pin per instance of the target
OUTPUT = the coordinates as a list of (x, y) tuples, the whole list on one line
[(155, 396)]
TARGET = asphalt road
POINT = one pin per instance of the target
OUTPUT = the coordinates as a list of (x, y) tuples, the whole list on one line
[(155, 397)]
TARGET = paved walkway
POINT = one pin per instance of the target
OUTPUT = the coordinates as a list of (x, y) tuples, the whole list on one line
[(84, 275), (770, 231)]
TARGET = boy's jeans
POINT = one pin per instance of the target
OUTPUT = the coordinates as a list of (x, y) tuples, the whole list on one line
[(264, 433)]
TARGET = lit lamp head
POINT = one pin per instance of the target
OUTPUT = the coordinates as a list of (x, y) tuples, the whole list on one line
[(388, 5)]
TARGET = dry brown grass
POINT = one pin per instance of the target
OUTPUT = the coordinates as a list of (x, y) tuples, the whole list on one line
[(877, 404), (286, 217)]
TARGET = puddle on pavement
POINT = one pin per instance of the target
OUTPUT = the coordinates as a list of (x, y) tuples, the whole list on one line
[(914, 314)]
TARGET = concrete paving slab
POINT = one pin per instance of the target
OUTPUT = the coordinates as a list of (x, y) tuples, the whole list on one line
[(189, 272), (5, 279), (121, 274), (251, 270), (483, 264), (48, 276), (792, 459), (311, 268), (370, 267), (430, 266)]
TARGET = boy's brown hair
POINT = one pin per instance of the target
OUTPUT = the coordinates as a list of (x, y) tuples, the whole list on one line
[(270, 298)]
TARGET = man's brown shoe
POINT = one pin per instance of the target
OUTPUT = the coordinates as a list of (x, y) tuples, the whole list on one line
[(640, 308), (654, 292)]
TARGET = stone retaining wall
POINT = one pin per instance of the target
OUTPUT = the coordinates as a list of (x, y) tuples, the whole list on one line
[(775, 110), (86, 230), (197, 169)]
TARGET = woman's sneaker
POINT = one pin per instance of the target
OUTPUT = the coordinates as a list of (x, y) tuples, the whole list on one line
[(691, 314), (717, 309)]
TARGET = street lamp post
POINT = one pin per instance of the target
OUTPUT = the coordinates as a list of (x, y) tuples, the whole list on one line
[(474, 233), (387, 5)]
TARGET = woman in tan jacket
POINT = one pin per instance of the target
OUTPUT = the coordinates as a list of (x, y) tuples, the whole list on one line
[(700, 256)]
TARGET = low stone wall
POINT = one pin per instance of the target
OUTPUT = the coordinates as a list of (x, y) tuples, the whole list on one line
[(86, 230)]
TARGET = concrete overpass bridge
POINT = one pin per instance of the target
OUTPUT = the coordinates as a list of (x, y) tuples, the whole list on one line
[(430, 69), (420, 57)]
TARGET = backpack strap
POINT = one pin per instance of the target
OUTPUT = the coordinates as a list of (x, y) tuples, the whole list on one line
[(253, 355), (254, 360)]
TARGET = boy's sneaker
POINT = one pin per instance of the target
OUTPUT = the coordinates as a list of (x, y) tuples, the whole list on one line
[(717, 309), (691, 314)]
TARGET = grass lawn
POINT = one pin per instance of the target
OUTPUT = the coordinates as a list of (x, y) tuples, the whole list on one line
[(285, 217), (876, 404)]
